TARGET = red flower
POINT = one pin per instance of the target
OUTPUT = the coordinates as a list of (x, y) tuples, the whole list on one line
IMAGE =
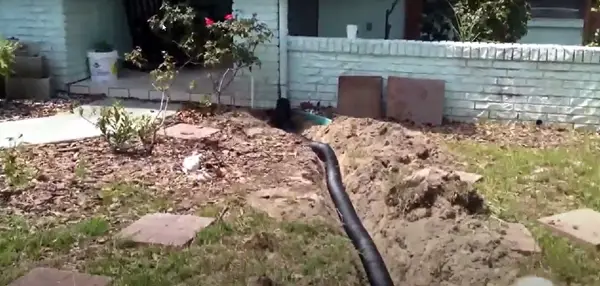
[(228, 17), (208, 21)]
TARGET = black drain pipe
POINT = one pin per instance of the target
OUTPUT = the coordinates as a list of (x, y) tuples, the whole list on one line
[(374, 265)]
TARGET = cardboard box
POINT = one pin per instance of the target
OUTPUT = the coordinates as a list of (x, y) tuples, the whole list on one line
[(27, 88)]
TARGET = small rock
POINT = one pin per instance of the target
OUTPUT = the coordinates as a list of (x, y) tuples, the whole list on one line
[(424, 174), (470, 178), (532, 281), (191, 163), (251, 132)]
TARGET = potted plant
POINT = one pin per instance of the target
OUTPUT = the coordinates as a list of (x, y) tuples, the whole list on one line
[(103, 63)]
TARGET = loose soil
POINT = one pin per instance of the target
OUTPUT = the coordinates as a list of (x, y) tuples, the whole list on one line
[(431, 227)]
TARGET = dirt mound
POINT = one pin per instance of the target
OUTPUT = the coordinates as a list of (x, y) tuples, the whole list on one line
[(428, 224)]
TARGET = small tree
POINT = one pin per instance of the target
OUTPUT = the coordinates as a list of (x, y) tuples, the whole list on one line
[(233, 40), (502, 21)]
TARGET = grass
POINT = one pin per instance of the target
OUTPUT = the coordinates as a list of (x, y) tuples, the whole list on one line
[(23, 242), (524, 184), (242, 247)]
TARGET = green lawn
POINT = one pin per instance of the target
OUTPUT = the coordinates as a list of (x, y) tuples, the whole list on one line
[(523, 184), (520, 184), (236, 250)]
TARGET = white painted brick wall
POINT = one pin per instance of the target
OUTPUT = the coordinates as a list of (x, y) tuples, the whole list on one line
[(39, 24), (498, 81), (266, 78)]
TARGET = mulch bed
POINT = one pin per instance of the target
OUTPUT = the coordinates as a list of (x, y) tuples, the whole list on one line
[(18, 109), (70, 180)]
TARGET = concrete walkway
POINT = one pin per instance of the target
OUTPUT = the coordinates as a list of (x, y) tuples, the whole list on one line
[(67, 126)]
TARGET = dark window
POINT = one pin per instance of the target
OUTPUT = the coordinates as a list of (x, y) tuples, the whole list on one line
[(566, 9), (303, 18)]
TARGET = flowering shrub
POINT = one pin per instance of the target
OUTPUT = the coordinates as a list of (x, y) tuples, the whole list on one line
[(231, 41)]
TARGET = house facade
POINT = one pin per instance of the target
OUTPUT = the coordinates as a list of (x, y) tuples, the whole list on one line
[(64, 30), (554, 83)]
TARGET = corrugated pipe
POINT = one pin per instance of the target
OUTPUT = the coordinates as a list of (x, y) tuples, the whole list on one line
[(372, 262)]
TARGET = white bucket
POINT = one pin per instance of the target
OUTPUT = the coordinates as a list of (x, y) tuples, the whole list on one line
[(103, 66), (351, 31)]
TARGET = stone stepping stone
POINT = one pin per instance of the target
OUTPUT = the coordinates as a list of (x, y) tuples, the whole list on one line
[(165, 229), (580, 225), (54, 277), (253, 131), (188, 131), (519, 238)]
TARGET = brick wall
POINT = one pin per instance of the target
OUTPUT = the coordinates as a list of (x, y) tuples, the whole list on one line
[(88, 22), (497, 81), (266, 79), (41, 25)]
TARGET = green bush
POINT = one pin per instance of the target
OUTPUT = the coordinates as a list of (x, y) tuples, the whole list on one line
[(7, 56), (503, 21)]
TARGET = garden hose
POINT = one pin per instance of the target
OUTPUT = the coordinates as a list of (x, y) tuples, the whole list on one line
[(374, 266)]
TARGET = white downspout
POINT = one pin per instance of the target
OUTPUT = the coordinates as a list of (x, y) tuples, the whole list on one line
[(283, 47)]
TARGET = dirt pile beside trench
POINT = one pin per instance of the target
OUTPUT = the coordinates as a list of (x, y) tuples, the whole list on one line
[(429, 225)]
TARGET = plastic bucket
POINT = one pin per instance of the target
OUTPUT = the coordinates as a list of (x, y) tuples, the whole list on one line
[(103, 66), (351, 31)]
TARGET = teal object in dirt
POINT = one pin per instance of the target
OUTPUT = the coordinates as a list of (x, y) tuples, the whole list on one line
[(317, 119)]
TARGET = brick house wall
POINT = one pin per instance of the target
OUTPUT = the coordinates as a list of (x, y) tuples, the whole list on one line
[(498, 81), (266, 78), (40, 24), (63, 31)]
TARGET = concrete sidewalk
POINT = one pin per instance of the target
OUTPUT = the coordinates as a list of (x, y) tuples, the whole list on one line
[(69, 127)]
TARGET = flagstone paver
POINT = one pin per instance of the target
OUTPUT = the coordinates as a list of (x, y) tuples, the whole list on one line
[(188, 131), (582, 225), (165, 229), (55, 277)]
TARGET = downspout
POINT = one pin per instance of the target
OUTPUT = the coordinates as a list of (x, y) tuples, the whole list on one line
[(283, 48)]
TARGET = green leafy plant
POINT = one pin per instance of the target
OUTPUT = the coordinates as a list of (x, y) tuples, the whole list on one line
[(124, 131), (502, 21), (7, 56), (231, 41), (13, 169)]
